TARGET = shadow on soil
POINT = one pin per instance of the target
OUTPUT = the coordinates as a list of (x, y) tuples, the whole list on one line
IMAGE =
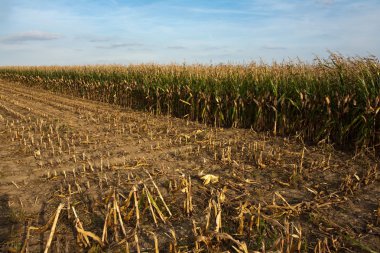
[(8, 220)]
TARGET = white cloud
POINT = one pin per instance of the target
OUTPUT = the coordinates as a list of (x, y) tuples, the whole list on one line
[(325, 2), (198, 31), (120, 45), (29, 36)]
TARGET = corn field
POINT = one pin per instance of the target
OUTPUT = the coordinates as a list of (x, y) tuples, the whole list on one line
[(335, 99)]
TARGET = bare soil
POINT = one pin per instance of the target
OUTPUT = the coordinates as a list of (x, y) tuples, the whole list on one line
[(115, 169)]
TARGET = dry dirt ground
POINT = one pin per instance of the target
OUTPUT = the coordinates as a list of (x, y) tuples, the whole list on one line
[(82, 176)]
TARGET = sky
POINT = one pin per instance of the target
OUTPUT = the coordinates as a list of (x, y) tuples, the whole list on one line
[(78, 32)]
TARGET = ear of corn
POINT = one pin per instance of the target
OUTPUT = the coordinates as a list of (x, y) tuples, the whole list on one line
[(336, 99)]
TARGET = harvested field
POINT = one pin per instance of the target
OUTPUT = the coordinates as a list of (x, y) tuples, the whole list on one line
[(78, 175)]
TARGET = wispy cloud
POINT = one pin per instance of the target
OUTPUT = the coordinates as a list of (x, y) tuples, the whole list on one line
[(120, 45), (30, 36), (218, 11), (325, 2), (273, 48), (98, 40), (159, 31), (93, 38), (176, 47)]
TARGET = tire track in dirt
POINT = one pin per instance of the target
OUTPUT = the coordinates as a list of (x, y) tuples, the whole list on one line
[(16, 104), (60, 99), (53, 101), (41, 106), (38, 98)]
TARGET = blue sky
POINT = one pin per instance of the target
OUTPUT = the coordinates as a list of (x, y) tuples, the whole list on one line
[(66, 32)]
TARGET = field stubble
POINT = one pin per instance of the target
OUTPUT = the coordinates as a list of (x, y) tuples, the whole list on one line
[(81, 175)]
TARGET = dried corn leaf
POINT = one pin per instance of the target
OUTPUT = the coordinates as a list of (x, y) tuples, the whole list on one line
[(89, 234), (209, 178)]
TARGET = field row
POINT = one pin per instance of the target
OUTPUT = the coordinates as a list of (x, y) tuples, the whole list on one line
[(81, 175)]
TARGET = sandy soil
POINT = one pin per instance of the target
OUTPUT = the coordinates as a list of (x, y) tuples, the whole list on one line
[(135, 181)]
